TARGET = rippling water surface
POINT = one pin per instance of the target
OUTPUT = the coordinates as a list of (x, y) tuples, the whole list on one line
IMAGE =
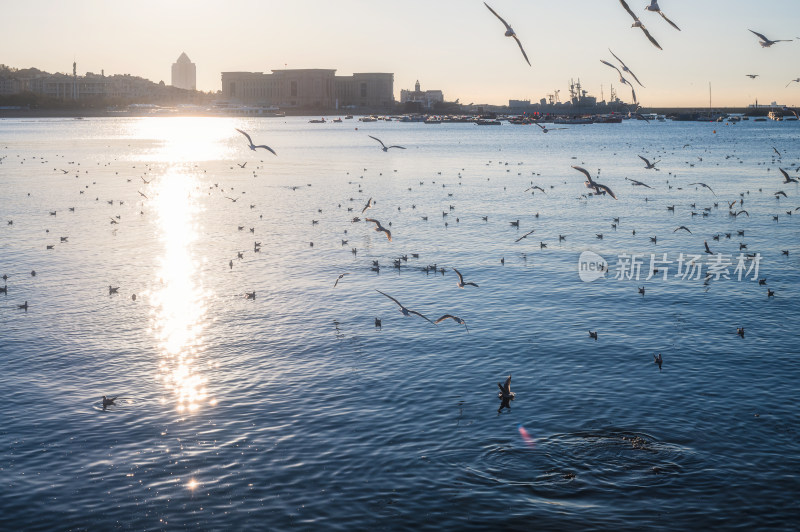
[(293, 410)]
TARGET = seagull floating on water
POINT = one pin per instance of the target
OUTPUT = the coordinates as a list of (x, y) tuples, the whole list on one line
[(108, 401), (510, 33)]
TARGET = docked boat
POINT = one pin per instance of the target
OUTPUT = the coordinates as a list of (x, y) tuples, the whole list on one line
[(775, 115), (487, 123), (573, 121), (607, 119), (367, 119)]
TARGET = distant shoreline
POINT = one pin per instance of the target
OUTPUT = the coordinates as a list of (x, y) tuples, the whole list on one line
[(310, 113)]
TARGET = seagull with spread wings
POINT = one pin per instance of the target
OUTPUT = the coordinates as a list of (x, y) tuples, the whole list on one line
[(510, 33), (638, 183), (622, 79), (505, 394), (406, 311), (253, 146), (461, 283), (655, 9), (649, 164), (590, 183), (384, 147), (638, 24), (625, 68), (454, 318), (704, 185), (379, 227), (766, 43)]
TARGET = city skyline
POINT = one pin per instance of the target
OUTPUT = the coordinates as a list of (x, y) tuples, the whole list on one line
[(455, 46)]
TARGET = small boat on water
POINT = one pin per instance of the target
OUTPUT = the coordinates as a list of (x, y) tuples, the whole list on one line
[(574, 120), (488, 123), (367, 119), (337, 119), (320, 121), (348, 117), (607, 119)]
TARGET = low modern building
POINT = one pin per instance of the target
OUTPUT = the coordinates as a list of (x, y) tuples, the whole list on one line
[(184, 73), (317, 88), (427, 98)]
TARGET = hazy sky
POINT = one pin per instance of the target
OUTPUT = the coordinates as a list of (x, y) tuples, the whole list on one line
[(453, 45)]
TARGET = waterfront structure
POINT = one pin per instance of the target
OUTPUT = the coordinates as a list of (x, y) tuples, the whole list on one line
[(317, 88), (119, 88), (427, 98), (184, 73)]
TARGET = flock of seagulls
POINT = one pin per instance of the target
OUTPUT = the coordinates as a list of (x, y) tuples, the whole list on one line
[(596, 188)]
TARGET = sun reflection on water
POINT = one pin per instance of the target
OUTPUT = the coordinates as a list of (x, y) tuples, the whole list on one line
[(185, 139), (179, 300)]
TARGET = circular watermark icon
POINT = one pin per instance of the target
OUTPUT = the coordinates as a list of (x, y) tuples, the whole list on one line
[(591, 266)]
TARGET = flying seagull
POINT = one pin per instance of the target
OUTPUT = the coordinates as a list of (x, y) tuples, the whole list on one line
[(525, 235), (638, 24), (704, 185), (509, 33), (594, 184), (625, 68), (406, 312), (455, 319), (461, 283), (384, 147), (654, 8), (752, 76), (764, 42), (505, 394), (253, 146), (649, 165), (339, 278), (705, 242), (638, 183), (379, 227), (793, 81), (786, 178), (790, 110), (683, 227), (367, 206), (622, 79)]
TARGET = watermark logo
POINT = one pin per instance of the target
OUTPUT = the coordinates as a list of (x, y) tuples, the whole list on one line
[(591, 266)]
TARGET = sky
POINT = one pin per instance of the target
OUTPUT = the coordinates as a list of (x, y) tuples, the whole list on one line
[(456, 46)]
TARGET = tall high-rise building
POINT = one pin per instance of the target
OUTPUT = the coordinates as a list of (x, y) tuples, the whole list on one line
[(184, 73)]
